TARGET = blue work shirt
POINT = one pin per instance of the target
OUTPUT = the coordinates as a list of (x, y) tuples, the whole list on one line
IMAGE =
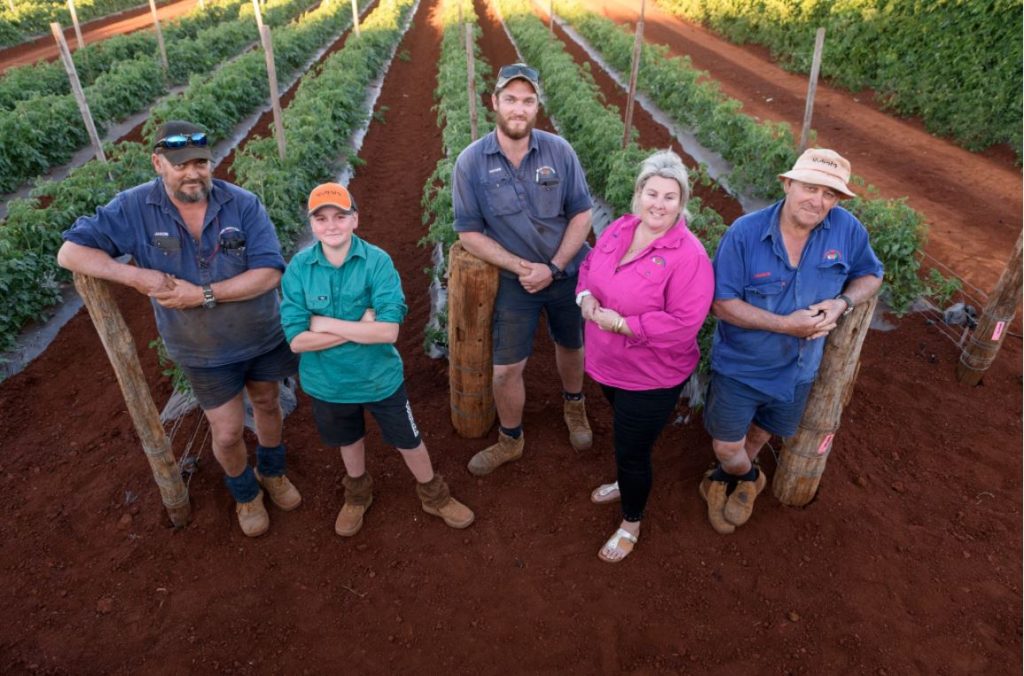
[(752, 265), (526, 209), (143, 222), (350, 373)]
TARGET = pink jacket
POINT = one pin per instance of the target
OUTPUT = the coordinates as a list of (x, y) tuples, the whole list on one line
[(664, 294)]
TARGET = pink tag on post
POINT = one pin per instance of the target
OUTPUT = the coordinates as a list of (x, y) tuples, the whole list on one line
[(826, 443), (998, 330)]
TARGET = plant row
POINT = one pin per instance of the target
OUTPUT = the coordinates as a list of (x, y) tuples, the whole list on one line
[(48, 77), (33, 17), (30, 236), (758, 152), (46, 131), (327, 109), (956, 64)]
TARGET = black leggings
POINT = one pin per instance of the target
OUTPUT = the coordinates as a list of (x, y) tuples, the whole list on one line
[(639, 417)]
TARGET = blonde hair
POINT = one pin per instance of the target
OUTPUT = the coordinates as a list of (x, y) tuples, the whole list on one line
[(664, 164)]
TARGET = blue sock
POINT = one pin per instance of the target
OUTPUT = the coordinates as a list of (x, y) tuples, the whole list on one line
[(270, 460), (244, 487), (514, 432)]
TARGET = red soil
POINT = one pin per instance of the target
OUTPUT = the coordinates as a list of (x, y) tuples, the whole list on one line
[(45, 48), (909, 560)]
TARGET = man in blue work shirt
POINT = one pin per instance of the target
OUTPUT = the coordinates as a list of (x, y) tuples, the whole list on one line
[(522, 204), (783, 277), (207, 255)]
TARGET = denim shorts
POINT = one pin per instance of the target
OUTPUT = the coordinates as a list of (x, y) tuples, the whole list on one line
[(517, 313), (344, 424), (217, 385), (732, 406)]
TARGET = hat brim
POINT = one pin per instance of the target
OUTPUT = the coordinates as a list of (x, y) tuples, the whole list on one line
[(502, 83), (347, 211), (819, 178), (183, 155)]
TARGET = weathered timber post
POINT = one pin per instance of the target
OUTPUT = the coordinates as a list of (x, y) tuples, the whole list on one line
[(812, 88), (275, 99), (471, 80), (259, 14), (803, 456), (355, 17), (159, 38), (76, 89), (638, 43), (117, 341), (74, 21), (472, 286), (551, 16), (988, 337)]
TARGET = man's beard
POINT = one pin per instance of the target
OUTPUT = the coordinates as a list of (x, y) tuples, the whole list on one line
[(515, 135), (192, 198)]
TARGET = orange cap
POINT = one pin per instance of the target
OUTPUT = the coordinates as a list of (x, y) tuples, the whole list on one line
[(331, 195)]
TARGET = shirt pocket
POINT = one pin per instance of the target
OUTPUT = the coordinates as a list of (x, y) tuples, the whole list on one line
[(500, 196), (354, 303), (764, 296), (161, 259), (549, 201), (228, 264), (651, 269), (832, 278), (318, 302)]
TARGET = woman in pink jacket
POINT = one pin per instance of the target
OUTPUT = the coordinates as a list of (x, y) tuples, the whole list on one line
[(644, 291)]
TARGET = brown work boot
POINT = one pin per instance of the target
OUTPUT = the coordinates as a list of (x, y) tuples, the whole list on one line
[(252, 516), (740, 504), (575, 415), (358, 498), (714, 493), (438, 501), (491, 458), (282, 492)]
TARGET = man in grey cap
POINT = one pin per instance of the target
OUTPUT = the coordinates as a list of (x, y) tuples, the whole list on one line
[(208, 257), (783, 277), (522, 204)]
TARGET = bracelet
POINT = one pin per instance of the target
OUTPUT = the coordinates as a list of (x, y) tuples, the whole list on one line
[(618, 325), (581, 295)]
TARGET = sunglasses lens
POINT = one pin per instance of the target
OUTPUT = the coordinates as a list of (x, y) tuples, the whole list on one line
[(176, 141), (198, 139), (518, 71)]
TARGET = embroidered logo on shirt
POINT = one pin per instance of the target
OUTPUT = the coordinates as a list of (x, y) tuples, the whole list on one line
[(833, 255), (658, 260), (762, 275)]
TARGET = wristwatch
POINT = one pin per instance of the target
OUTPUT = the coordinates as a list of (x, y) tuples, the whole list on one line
[(849, 303), (209, 300), (557, 273)]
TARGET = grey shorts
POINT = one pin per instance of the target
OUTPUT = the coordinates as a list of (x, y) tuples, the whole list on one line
[(217, 385), (517, 313)]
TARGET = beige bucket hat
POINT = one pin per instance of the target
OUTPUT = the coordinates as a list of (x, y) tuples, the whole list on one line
[(820, 166)]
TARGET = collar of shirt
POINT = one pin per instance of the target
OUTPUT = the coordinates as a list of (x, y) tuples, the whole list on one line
[(622, 236), (491, 145), (217, 198), (774, 230), (357, 248)]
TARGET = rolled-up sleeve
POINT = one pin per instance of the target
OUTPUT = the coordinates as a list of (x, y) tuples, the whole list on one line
[(729, 267), (469, 216), (387, 298), (106, 230), (263, 250)]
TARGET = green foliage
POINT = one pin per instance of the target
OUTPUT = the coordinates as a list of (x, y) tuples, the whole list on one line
[(179, 381), (956, 64)]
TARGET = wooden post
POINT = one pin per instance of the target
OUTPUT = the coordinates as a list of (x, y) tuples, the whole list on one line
[(74, 21), (10, 6), (803, 456), (472, 286), (638, 43), (995, 321), (355, 17), (117, 341), (275, 101), (76, 89), (259, 14), (474, 129), (812, 88), (551, 16), (159, 37)]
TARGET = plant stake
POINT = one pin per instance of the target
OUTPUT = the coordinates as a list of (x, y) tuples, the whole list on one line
[(633, 73), (159, 37), (812, 88), (275, 101), (76, 89)]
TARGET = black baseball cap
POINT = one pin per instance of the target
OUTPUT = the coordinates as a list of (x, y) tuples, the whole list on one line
[(181, 141)]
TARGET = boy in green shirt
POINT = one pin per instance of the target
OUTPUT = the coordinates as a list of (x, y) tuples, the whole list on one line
[(341, 309)]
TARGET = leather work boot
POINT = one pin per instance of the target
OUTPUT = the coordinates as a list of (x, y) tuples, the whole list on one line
[(358, 498), (575, 415), (252, 516), (491, 458), (438, 501), (714, 493), (740, 504), (282, 492)]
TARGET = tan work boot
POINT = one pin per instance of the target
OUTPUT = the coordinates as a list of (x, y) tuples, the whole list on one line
[(252, 516), (438, 501), (575, 415), (491, 458), (740, 504), (282, 492), (714, 493), (358, 498)]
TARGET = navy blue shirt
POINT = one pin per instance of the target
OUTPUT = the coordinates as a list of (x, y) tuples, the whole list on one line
[(143, 222), (752, 265), (526, 209)]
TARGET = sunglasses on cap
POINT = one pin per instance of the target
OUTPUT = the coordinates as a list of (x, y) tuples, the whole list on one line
[(176, 141), (518, 70)]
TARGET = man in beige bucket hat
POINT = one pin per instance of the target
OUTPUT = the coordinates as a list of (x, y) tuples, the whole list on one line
[(783, 277)]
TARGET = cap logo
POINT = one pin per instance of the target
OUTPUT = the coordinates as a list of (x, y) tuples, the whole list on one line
[(822, 160)]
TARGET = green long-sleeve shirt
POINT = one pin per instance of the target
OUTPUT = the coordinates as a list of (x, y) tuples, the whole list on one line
[(351, 372)]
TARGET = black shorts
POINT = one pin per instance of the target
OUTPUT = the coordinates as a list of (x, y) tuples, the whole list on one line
[(517, 313), (344, 424), (217, 385)]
